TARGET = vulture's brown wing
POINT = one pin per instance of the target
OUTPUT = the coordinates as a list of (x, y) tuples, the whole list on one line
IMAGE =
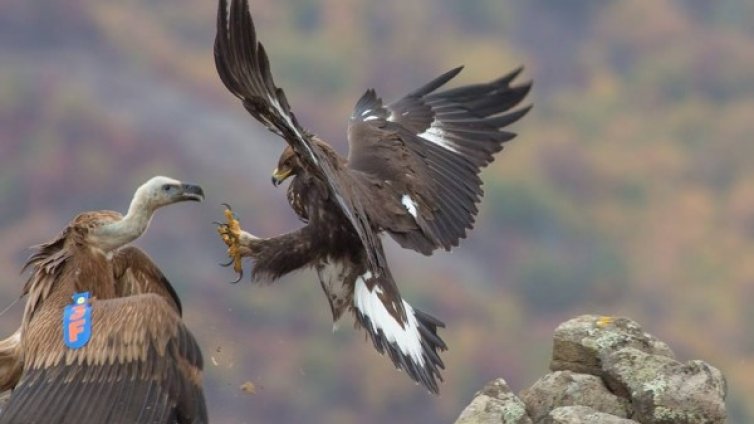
[(438, 143), (135, 273), (141, 365), (11, 363), (243, 67)]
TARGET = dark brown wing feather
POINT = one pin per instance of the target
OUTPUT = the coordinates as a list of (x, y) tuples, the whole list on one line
[(243, 67), (142, 365), (439, 142)]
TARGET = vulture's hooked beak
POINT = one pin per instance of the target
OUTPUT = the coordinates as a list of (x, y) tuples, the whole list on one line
[(191, 192), (278, 176)]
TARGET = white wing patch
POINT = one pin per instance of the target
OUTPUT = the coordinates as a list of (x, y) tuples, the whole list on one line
[(406, 338), (435, 134), (391, 118), (409, 204), (365, 116)]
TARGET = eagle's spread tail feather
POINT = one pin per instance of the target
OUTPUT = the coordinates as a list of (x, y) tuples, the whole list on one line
[(408, 336)]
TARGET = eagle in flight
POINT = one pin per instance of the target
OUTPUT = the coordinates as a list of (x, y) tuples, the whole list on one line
[(412, 172), (130, 358)]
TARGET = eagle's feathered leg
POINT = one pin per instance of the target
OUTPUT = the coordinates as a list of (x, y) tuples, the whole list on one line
[(273, 257)]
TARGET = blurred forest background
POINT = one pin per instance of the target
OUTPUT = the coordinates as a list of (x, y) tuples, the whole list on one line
[(628, 192)]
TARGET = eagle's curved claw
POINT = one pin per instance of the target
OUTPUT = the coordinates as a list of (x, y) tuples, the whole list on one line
[(230, 233), (240, 277)]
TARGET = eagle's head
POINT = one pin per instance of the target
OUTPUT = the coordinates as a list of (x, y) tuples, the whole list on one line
[(288, 165)]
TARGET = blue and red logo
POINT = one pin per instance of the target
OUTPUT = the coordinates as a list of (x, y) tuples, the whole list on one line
[(77, 321)]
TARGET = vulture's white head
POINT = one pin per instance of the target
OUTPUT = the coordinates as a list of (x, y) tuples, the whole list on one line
[(162, 191), (150, 196)]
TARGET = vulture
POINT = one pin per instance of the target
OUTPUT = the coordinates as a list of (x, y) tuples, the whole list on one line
[(101, 339), (412, 172)]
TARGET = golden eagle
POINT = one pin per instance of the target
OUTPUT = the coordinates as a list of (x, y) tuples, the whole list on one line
[(138, 362), (412, 171)]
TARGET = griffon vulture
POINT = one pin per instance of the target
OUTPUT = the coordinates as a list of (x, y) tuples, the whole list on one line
[(120, 353), (412, 172)]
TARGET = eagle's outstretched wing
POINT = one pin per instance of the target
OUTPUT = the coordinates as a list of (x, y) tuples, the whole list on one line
[(439, 142), (141, 365), (243, 67)]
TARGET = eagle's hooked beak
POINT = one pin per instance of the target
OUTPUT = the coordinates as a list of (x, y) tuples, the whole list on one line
[(191, 192), (278, 176)]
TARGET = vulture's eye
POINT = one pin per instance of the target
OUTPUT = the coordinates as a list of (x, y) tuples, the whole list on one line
[(167, 187)]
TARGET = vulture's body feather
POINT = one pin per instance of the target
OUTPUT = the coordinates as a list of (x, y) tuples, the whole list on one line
[(141, 364), (412, 171)]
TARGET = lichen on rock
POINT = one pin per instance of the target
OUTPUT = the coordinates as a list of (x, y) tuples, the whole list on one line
[(582, 415), (580, 343), (663, 390), (566, 388), (608, 370)]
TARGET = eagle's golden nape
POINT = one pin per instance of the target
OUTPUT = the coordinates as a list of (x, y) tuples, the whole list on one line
[(138, 363), (412, 171)]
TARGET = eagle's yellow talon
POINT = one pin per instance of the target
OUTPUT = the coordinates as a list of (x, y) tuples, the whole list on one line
[(230, 234)]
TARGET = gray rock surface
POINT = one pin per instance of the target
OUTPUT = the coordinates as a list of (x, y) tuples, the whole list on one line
[(663, 390), (582, 415), (607, 370), (565, 388), (580, 343), (495, 404)]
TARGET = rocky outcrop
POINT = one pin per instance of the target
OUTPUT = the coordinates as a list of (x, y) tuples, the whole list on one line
[(566, 388), (581, 344), (495, 404), (582, 415), (607, 370)]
